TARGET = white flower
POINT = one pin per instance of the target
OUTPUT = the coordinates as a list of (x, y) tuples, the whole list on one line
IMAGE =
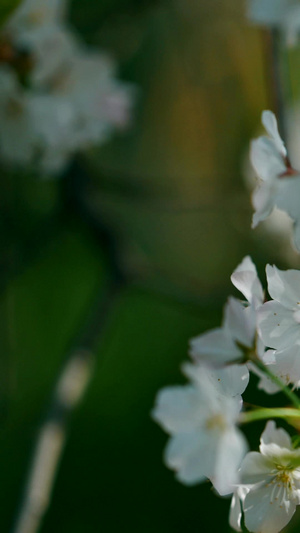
[(246, 280), (284, 364), (65, 97), (227, 344), (52, 54), (279, 319), (271, 480), (200, 418), (219, 346), (279, 183), (33, 16), (100, 102), (281, 14), (34, 127)]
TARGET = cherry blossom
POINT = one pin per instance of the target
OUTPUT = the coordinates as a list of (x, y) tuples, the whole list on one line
[(270, 480), (237, 334), (285, 364), (279, 319), (64, 97), (201, 419), (279, 183)]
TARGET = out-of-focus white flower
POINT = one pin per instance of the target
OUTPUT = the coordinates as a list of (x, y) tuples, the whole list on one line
[(279, 184), (68, 95), (271, 482), (281, 14), (238, 332), (201, 418), (34, 126), (279, 319), (100, 104), (33, 16), (52, 55), (231, 380)]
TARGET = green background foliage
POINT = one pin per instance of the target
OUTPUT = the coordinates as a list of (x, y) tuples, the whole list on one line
[(6, 8)]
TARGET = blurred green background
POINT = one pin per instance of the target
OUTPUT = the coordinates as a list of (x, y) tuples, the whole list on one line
[(171, 193)]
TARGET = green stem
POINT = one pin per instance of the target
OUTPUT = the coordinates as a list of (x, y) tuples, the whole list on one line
[(266, 413), (284, 388)]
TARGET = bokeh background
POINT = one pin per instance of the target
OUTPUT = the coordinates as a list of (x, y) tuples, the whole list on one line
[(171, 193)]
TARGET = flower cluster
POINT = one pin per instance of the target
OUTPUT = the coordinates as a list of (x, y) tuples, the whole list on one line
[(279, 182), (203, 417), (57, 96)]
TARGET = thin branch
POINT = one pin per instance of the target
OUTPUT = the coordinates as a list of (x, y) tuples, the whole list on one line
[(71, 384), (263, 413), (51, 439)]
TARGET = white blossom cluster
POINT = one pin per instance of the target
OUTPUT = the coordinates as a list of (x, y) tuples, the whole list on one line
[(203, 417), (278, 182), (57, 96), (283, 15), (258, 336)]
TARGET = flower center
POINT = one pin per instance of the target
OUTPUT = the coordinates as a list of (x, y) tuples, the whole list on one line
[(283, 477), (36, 18), (283, 486), (216, 422)]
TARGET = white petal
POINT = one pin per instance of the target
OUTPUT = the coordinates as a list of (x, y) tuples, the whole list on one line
[(245, 279), (288, 193), (265, 383), (231, 380), (240, 322), (234, 379), (255, 468), (266, 160), (273, 435), (177, 409), (286, 365), (270, 123), (235, 515), (232, 449), (284, 286), (216, 347), (277, 326), (191, 455), (264, 516), (263, 201)]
